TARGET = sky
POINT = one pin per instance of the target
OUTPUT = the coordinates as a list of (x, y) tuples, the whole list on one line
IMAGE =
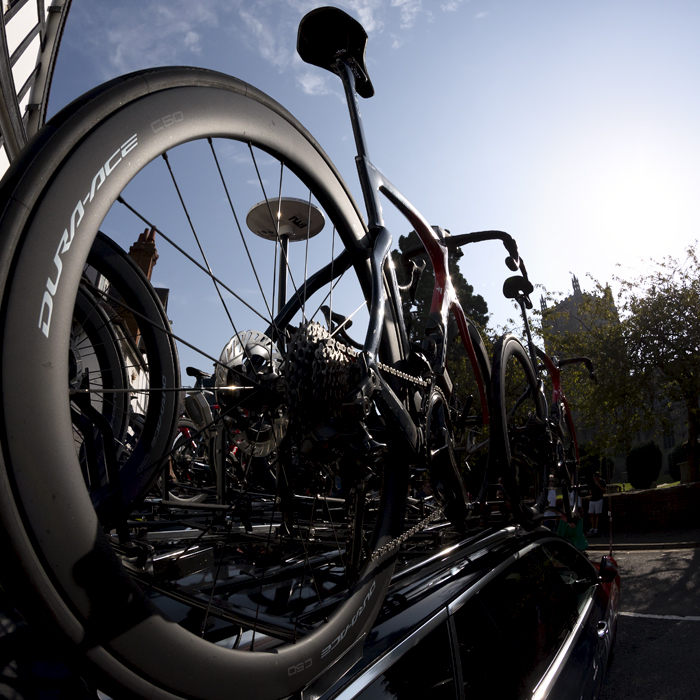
[(573, 126)]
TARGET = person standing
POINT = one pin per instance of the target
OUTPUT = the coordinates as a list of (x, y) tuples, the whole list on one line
[(595, 507), (551, 515)]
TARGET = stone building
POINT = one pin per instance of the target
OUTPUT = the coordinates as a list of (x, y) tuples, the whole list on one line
[(570, 316)]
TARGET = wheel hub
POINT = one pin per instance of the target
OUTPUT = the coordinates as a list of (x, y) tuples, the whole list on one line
[(250, 392)]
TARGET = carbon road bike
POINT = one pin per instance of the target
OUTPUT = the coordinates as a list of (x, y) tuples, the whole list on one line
[(535, 439), (273, 585)]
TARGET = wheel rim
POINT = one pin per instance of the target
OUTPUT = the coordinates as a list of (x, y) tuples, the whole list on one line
[(82, 563)]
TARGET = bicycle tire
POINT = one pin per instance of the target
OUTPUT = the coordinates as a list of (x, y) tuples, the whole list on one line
[(518, 445), (467, 416), (447, 483), (142, 322), (94, 336), (479, 461), (186, 451), (66, 568), (568, 463), (96, 361)]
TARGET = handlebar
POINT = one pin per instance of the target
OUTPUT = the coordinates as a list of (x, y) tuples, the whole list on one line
[(514, 262), (585, 360), (514, 287)]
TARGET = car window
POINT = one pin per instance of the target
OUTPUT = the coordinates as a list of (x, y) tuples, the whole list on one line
[(425, 671), (533, 612), (565, 563), (481, 645)]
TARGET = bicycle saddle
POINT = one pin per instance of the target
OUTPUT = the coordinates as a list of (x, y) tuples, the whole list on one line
[(196, 373), (516, 287), (328, 34)]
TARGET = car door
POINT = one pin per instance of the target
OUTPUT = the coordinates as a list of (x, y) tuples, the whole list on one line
[(576, 671), (511, 628), (531, 631), (421, 666)]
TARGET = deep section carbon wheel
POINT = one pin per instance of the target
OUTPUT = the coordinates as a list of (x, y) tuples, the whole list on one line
[(519, 449), (264, 587)]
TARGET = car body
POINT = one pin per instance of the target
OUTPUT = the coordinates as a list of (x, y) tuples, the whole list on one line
[(503, 614)]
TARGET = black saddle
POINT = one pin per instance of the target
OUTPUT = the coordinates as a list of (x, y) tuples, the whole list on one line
[(327, 34), (196, 373), (518, 287)]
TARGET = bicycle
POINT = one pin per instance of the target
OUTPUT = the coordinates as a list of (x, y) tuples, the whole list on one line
[(533, 442), (297, 576)]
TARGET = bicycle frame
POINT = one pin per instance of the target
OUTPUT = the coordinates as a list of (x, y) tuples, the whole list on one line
[(444, 299), (554, 368), (558, 397)]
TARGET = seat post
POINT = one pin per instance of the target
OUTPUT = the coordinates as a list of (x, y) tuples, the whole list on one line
[(348, 77), (366, 172)]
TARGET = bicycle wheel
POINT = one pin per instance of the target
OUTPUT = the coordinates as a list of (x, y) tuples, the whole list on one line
[(97, 367), (518, 453), (296, 576), (188, 471), (133, 357), (447, 483), (469, 419), (567, 460)]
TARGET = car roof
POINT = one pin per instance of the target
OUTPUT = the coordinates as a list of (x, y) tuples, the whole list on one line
[(418, 600)]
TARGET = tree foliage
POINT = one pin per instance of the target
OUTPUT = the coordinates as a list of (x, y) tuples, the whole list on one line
[(663, 339), (645, 345)]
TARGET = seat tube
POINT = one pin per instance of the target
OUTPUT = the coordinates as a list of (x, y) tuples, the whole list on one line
[(366, 174)]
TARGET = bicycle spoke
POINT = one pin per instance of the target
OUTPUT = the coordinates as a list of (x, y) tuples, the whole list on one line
[(240, 230), (191, 259), (199, 244)]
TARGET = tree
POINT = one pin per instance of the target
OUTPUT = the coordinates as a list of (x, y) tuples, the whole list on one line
[(608, 413), (663, 339), (647, 359)]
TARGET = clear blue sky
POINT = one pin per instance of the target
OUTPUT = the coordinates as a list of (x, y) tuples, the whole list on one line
[(575, 126)]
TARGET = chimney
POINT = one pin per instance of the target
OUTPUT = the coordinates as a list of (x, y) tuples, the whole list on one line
[(144, 253)]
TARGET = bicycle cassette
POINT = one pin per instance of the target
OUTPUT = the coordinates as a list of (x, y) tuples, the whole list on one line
[(251, 394)]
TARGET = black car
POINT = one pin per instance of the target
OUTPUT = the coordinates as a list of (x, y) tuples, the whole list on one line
[(504, 614), (501, 614)]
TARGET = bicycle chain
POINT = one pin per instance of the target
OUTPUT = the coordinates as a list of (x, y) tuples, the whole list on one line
[(398, 541), (439, 513), (402, 375), (396, 372), (330, 355)]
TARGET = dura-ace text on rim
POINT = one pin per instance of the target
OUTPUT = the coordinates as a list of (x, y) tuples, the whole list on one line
[(69, 232)]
